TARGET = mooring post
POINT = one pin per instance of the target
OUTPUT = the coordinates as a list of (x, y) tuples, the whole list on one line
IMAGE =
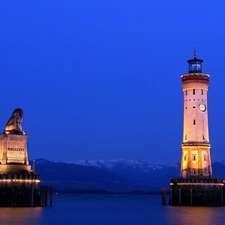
[(190, 196), (179, 196), (163, 196), (50, 194), (41, 195), (46, 195), (222, 195), (13, 195), (32, 195), (171, 196)]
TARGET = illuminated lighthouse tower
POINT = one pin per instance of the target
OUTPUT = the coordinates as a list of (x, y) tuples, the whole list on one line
[(196, 186), (196, 161)]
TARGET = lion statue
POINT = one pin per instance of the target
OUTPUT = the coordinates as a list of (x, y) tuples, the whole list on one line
[(14, 125)]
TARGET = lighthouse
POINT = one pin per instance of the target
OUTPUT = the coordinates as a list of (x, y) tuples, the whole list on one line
[(196, 160), (196, 185)]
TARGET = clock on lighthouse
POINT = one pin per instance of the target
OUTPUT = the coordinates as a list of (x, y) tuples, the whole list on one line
[(202, 107)]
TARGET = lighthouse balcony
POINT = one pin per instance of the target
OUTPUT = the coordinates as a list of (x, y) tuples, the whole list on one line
[(195, 77), (195, 143)]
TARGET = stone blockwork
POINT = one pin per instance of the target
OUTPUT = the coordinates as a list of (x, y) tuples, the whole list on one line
[(13, 154), (14, 169), (190, 192)]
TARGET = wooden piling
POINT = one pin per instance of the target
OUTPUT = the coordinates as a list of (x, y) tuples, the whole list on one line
[(13, 190), (222, 196), (163, 196), (46, 195), (15, 196), (41, 195), (171, 196), (32, 195), (50, 195), (191, 197), (179, 196)]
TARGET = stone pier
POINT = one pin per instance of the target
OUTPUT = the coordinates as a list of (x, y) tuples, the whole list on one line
[(197, 192)]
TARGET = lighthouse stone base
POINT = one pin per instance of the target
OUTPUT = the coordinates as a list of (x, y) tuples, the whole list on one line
[(13, 154), (197, 192), (19, 184)]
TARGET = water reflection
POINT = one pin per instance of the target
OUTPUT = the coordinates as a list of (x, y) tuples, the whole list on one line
[(22, 216), (195, 215), (112, 210)]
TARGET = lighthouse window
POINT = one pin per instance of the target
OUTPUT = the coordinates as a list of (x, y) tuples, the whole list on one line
[(185, 136), (204, 157), (193, 91), (194, 157), (193, 122), (186, 92), (185, 157), (195, 66), (202, 92)]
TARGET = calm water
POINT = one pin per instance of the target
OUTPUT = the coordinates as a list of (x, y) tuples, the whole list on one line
[(112, 209)]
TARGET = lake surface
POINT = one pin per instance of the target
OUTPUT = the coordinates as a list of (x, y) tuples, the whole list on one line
[(111, 210)]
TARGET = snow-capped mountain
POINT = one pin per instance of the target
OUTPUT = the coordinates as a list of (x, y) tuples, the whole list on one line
[(113, 163), (135, 170), (114, 175), (128, 174)]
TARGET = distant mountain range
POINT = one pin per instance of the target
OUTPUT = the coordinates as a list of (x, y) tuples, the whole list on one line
[(111, 175)]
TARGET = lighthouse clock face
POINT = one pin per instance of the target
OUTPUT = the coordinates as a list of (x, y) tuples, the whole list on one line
[(202, 107)]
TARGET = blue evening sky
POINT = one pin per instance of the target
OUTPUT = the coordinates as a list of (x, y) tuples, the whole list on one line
[(100, 79)]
